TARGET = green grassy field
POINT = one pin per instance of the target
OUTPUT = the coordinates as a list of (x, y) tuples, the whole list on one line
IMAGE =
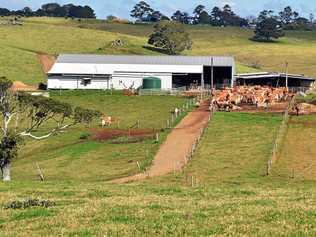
[(241, 202), (297, 156), (230, 145), (151, 111), (62, 156), (20, 44), (230, 195)]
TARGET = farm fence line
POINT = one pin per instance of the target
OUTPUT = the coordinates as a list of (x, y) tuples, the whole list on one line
[(193, 181), (177, 114), (280, 135)]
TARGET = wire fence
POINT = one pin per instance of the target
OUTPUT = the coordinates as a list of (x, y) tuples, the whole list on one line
[(280, 135), (299, 89), (193, 180), (144, 92)]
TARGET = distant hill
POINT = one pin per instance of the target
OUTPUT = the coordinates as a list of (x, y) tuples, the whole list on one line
[(21, 43)]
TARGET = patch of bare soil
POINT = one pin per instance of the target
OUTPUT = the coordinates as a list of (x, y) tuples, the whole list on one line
[(20, 86), (133, 134), (172, 153), (47, 61), (303, 109), (275, 108)]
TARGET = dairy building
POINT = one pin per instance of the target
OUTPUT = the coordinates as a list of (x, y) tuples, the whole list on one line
[(83, 71)]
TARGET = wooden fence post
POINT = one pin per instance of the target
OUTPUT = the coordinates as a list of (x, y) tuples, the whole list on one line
[(138, 165), (269, 167), (40, 173)]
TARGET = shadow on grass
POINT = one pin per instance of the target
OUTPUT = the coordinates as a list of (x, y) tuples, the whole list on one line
[(158, 50), (266, 41)]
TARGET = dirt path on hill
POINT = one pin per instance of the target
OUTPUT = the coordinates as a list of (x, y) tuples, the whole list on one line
[(172, 153), (47, 61)]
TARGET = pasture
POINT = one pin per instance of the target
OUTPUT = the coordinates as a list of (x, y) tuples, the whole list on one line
[(229, 194), (232, 197), (66, 154), (20, 44)]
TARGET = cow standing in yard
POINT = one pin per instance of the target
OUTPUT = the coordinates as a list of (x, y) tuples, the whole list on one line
[(107, 121)]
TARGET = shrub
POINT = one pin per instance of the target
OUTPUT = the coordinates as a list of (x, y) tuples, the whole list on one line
[(29, 202), (84, 135)]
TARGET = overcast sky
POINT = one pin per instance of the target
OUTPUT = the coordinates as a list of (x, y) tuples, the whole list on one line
[(122, 8)]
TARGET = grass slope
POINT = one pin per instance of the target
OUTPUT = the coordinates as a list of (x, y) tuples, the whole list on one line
[(151, 111), (297, 158), (55, 36), (235, 148), (67, 157), (236, 203)]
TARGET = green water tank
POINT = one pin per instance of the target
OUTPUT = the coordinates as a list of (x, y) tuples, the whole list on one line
[(151, 83)]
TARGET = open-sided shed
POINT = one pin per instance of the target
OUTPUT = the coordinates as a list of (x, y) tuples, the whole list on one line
[(78, 71), (275, 80)]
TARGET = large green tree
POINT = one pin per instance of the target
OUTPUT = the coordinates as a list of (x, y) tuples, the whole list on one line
[(182, 17), (204, 18), (268, 27), (141, 10), (197, 12), (170, 36), (288, 16), (34, 117)]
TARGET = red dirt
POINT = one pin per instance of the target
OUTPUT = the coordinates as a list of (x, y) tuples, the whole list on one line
[(172, 153), (47, 61), (276, 108), (109, 134), (20, 86)]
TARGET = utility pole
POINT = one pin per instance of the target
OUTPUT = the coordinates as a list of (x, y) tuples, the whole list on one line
[(212, 73), (286, 75)]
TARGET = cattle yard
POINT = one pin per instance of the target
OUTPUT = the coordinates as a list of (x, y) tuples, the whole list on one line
[(248, 98)]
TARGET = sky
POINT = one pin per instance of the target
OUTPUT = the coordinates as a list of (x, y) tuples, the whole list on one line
[(121, 8)]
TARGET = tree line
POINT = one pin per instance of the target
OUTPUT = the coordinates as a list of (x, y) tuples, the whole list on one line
[(143, 12), (53, 10), (287, 18)]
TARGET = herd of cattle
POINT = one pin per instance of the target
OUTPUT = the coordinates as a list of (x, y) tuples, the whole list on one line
[(259, 96)]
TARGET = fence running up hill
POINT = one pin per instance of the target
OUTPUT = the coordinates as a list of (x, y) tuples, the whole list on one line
[(278, 141)]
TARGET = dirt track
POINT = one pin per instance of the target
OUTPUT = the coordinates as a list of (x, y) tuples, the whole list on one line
[(47, 61), (171, 155)]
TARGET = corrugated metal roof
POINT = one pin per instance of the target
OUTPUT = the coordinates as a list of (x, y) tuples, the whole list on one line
[(259, 75), (149, 60)]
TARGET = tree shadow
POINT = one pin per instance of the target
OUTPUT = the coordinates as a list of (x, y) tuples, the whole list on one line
[(271, 41), (158, 50)]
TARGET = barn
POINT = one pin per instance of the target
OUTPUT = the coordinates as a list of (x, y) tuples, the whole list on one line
[(82, 71), (293, 81)]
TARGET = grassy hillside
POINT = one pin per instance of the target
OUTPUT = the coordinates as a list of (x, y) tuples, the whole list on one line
[(229, 195), (297, 158), (230, 145), (67, 157), (54, 36), (241, 202)]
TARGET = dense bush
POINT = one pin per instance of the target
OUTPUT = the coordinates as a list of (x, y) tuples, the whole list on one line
[(28, 203)]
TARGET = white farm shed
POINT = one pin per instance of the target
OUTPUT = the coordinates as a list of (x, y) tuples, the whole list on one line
[(82, 71)]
